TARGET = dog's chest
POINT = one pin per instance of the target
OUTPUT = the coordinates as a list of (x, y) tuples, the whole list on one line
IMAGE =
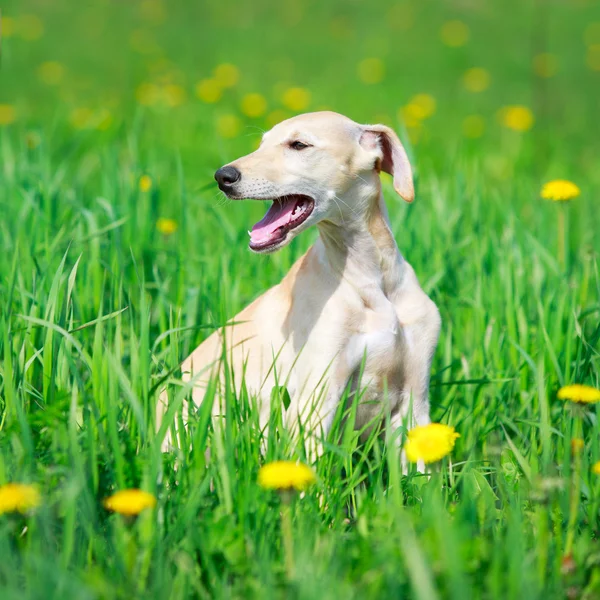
[(342, 337)]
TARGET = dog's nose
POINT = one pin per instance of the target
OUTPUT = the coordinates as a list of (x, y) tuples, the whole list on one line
[(227, 176)]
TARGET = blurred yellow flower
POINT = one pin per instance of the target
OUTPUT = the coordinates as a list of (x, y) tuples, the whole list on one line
[(227, 75), (8, 27), (145, 183), (285, 475), (147, 94), (517, 118), (81, 118), (371, 70), (30, 27), (420, 107), (545, 65), (166, 226), (577, 445), (582, 394), (253, 105), (276, 117), (426, 103), (430, 443), (296, 98), (592, 33), (476, 80), (173, 94), (454, 33), (593, 57), (560, 190), (51, 72), (18, 497), (130, 502), (209, 90), (596, 468), (8, 114), (228, 126), (473, 126)]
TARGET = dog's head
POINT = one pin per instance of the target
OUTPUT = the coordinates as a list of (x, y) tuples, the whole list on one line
[(315, 167)]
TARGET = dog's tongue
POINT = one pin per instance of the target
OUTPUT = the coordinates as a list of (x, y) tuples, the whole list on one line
[(279, 215)]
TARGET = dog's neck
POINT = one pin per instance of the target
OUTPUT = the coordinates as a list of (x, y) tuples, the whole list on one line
[(362, 249)]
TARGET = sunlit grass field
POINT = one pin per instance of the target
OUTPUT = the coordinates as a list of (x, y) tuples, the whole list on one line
[(118, 256)]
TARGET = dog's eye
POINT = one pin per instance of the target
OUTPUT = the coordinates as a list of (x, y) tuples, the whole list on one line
[(297, 145)]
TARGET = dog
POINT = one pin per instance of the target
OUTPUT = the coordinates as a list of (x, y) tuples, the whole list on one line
[(351, 306)]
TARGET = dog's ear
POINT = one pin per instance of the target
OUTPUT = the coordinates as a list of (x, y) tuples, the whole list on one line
[(393, 158)]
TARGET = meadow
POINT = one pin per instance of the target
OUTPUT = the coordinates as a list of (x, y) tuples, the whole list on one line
[(118, 256)]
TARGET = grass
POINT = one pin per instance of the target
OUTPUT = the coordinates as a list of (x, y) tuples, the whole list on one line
[(97, 307)]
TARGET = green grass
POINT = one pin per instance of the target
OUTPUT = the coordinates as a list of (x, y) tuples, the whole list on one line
[(97, 308)]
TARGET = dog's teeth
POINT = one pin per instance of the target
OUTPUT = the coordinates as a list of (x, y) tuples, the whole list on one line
[(249, 233)]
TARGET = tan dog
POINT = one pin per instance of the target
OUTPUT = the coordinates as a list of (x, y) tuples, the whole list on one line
[(351, 302)]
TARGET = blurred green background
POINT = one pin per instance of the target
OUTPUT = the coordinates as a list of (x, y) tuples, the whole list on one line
[(201, 74)]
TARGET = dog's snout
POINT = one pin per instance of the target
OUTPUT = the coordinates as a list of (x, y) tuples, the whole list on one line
[(227, 176)]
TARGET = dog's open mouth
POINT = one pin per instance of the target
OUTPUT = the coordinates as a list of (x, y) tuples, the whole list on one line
[(286, 213)]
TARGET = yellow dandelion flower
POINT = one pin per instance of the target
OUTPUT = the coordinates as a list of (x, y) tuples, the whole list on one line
[(209, 90), (8, 27), (545, 65), (430, 443), (30, 27), (145, 183), (228, 126), (593, 57), (476, 80), (8, 114), (173, 94), (473, 126), (596, 468), (18, 497), (51, 72), (130, 502), (371, 70), (410, 115), (81, 118), (560, 190), (276, 117), (454, 34), (253, 105), (577, 445), (166, 226), (296, 98), (582, 394), (420, 107), (285, 475), (227, 75), (147, 94), (517, 118)]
